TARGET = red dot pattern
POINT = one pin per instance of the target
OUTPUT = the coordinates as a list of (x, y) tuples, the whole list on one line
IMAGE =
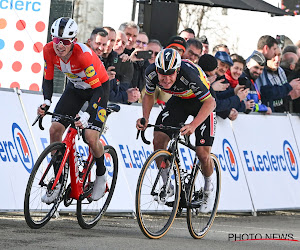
[(19, 45), (15, 85), (36, 68), (40, 26), (16, 66), (21, 25), (38, 47), (34, 87)]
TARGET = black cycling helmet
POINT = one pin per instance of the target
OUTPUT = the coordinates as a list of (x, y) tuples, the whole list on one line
[(167, 61)]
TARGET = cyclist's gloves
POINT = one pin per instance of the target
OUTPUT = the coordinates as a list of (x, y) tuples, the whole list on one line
[(84, 117)]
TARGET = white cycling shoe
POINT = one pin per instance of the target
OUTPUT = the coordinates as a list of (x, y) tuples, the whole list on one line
[(99, 187), (50, 196), (207, 200)]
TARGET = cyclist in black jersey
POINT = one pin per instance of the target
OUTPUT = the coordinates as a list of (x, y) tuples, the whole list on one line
[(190, 96)]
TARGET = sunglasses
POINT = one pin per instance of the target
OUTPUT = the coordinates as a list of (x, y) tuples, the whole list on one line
[(193, 54), (166, 73), (65, 42), (154, 53), (138, 42)]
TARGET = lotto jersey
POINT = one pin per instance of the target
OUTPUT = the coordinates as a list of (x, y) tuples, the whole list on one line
[(84, 68), (190, 83)]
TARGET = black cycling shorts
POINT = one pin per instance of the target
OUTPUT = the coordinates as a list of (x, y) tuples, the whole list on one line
[(73, 99), (177, 111)]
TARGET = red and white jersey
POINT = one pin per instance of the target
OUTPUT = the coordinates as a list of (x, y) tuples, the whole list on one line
[(84, 68)]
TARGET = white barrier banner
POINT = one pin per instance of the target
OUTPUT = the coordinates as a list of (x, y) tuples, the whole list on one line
[(17, 153), (23, 33), (271, 160), (234, 191)]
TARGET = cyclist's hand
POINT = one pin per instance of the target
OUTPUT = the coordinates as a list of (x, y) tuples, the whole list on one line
[(188, 129), (43, 108), (140, 126), (83, 121)]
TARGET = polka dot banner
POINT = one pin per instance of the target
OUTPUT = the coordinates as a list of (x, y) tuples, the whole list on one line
[(21, 25), (36, 68), (19, 45), (34, 87), (38, 47), (2, 44), (23, 33), (15, 85), (17, 66), (3, 23), (40, 26)]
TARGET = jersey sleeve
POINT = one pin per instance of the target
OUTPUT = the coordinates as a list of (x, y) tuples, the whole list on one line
[(95, 73), (150, 75), (49, 53), (199, 84)]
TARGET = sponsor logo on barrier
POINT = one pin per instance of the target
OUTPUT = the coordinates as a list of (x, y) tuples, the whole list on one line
[(17, 150), (20, 5), (269, 162), (136, 157), (228, 160), (108, 161)]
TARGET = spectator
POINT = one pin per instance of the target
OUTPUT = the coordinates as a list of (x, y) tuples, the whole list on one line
[(187, 34), (254, 69), (288, 62), (236, 70), (193, 50), (131, 31), (295, 107), (138, 81), (98, 41), (178, 43), (119, 86), (154, 46), (290, 48), (121, 41), (209, 64), (205, 45), (221, 47)]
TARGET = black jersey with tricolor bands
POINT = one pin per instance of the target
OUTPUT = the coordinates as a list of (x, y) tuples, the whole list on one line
[(190, 83)]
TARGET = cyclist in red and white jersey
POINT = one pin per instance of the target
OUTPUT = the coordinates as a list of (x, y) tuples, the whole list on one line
[(87, 81)]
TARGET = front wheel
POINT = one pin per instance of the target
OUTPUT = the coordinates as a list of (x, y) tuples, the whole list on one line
[(200, 223), (89, 212), (38, 213), (155, 213)]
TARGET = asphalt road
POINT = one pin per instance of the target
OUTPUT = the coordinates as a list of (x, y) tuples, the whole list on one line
[(124, 233)]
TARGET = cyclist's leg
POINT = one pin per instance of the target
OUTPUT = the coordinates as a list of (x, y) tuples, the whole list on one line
[(97, 110)]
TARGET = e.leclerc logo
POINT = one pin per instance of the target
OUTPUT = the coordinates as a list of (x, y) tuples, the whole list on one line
[(269, 162), (108, 161), (22, 147), (230, 160), (290, 159)]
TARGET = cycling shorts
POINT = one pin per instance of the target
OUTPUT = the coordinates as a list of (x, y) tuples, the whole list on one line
[(73, 99), (177, 111)]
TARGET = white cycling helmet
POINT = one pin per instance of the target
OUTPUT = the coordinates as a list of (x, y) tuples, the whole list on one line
[(167, 61), (64, 27)]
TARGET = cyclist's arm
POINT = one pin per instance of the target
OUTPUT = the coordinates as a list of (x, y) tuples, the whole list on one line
[(148, 102), (48, 72), (47, 89), (208, 106)]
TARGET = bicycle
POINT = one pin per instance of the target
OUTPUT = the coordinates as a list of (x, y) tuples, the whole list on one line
[(52, 167), (156, 207)]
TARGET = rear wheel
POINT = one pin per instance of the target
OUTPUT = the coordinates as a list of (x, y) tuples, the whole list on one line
[(155, 215), (200, 223), (42, 177), (89, 212)]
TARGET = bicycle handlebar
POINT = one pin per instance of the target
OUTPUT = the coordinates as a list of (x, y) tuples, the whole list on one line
[(110, 108)]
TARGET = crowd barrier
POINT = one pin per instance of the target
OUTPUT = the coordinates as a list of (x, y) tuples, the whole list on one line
[(259, 155)]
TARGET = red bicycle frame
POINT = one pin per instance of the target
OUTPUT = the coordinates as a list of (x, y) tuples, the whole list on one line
[(70, 152)]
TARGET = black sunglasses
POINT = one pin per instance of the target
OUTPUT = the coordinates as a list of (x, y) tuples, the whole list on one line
[(167, 73)]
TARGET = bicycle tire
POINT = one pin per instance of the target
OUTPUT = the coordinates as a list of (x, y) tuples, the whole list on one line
[(90, 212), (36, 212), (200, 223), (156, 218)]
